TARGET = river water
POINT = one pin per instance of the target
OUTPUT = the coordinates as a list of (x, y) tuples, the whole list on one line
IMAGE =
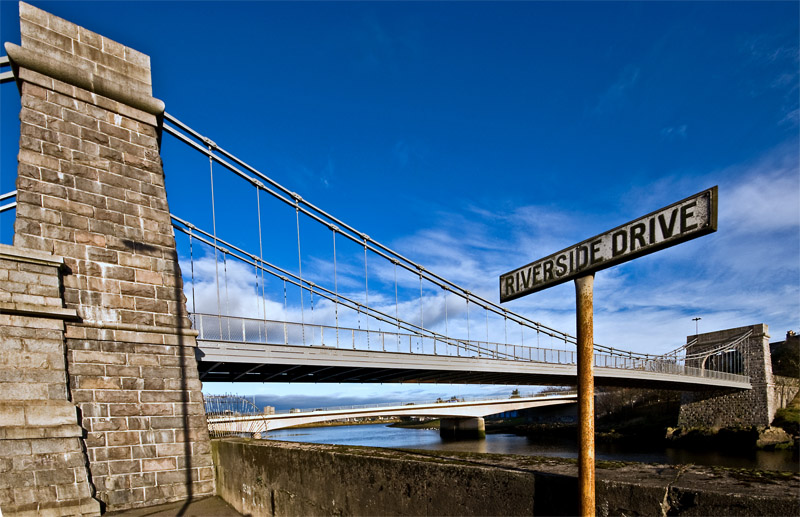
[(380, 435)]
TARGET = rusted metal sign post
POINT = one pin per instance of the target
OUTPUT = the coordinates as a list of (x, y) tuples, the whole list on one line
[(679, 222)]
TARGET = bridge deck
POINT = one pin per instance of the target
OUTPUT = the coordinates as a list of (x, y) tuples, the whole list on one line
[(222, 361), (462, 409)]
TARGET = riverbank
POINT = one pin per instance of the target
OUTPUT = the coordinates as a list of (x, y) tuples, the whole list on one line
[(334, 423), (718, 439), (638, 417)]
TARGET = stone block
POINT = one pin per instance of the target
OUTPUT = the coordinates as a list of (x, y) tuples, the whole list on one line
[(141, 423), (159, 464), (96, 439), (79, 490), (52, 414), (11, 448), (161, 372), (157, 409), (98, 383), (171, 449), (11, 415), (175, 476), (132, 384), (55, 477), (123, 438), (143, 360), (93, 357), (23, 392), (127, 397), (123, 498), (18, 481), (124, 467), (111, 453), (109, 423), (162, 396), (122, 371)]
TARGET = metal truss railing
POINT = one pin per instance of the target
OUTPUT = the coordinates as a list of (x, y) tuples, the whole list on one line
[(251, 331)]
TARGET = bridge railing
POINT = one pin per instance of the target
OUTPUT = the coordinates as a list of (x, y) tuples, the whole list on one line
[(232, 329), (556, 394), (251, 331)]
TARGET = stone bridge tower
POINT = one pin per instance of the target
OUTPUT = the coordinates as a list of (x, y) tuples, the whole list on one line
[(721, 408), (100, 402)]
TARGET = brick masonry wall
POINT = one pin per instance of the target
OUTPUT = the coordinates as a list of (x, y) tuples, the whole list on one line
[(146, 432), (90, 188), (727, 407), (42, 461)]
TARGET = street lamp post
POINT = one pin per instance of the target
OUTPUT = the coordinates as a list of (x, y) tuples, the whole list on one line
[(696, 333)]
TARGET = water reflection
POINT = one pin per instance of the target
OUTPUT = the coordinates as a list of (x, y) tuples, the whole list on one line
[(379, 435)]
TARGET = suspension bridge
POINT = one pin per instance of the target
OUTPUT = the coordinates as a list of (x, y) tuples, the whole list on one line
[(109, 291), (348, 339)]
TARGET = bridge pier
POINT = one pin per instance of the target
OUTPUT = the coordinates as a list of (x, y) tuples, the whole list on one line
[(472, 428), (100, 402)]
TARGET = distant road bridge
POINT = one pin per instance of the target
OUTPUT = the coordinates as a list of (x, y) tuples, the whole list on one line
[(463, 411)]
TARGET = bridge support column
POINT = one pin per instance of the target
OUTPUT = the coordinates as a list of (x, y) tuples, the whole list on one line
[(90, 189), (729, 407), (462, 428)]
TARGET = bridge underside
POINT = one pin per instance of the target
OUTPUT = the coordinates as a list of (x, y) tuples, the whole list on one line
[(226, 362)]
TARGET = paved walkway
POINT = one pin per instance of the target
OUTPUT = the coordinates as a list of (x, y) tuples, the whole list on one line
[(208, 507)]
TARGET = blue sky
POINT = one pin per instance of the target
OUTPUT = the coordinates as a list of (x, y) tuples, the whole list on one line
[(476, 137)]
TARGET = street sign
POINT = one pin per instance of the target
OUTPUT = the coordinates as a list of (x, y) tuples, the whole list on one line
[(692, 217), (687, 219)]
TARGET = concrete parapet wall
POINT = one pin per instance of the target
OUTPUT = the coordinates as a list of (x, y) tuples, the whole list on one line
[(263, 478)]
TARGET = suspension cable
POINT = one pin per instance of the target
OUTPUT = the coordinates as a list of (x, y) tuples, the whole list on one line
[(191, 261), (378, 248), (505, 327), (335, 288), (283, 274), (446, 331), (285, 313), (396, 305), (259, 302), (227, 300), (421, 317), (487, 325), (209, 143), (300, 270), (366, 288), (468, 318), (261, 256)]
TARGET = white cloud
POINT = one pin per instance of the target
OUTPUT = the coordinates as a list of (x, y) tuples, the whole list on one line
[(674, 132)]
